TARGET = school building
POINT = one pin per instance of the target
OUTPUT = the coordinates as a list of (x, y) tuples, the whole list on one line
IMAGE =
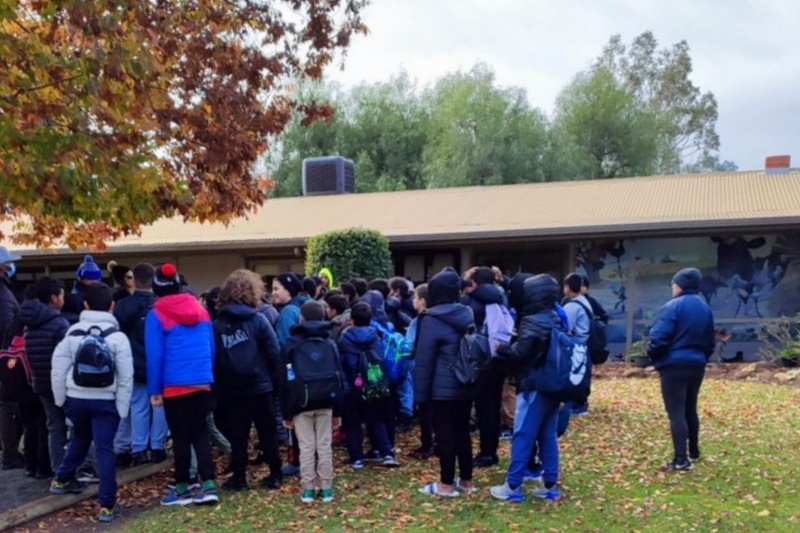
[(742, 229)]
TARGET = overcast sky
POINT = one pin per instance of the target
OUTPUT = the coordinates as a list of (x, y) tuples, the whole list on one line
[(746, 52)]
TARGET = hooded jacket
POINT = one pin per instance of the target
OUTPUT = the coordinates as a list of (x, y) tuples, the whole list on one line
[(288, 317), (539, 317), (45, 329), (244, 339), (478, 299), (682, 333), (354, 341), (439, 332), (131, 313), (179, 343), (9, 308), (64, 355)]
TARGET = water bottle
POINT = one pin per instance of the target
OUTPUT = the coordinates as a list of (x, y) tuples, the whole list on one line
[(359, 381), (290, 373)]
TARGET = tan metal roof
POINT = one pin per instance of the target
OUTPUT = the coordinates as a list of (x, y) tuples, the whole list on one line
[(693, 202)]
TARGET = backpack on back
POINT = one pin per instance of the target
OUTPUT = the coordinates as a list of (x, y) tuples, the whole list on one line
[(397, 352), (498, 326), (567, 371), (235, 368), (93, 365), (597, 337), (15, 369), (317, 381), (473, 356), (375, 384)]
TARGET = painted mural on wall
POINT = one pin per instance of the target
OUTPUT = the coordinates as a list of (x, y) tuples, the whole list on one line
[(744, 276)]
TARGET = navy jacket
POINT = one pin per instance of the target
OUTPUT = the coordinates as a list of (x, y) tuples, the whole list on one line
[(131, 313), (9, 309), (243, 333), (682, 333), (439, 332), (354, 341), (45, 329)]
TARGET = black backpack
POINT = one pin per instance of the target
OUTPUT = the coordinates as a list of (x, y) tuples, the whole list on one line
[(597, 342), (93, 366), (375, 385), (473, 357), (317, 380), (233, 359)]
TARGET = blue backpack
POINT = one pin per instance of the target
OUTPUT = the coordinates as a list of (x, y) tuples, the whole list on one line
[(397, 352), (567, 370)]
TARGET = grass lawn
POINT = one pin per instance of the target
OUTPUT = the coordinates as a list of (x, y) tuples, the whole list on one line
[(748, 480)]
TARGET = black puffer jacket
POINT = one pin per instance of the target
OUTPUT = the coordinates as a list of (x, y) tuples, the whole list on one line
[(46, 328), (439, 332), (478, 299), (541, 292), (131, 313), (9, 309), (247, 351)]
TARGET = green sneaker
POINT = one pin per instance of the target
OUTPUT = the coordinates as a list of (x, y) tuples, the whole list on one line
[(307, 496), (326, 495), (67, 487), (107, 515)]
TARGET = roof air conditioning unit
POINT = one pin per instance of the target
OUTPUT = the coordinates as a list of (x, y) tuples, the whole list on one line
[(328, 175)]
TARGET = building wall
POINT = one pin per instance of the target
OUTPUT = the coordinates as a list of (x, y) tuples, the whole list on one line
[(207, 271)]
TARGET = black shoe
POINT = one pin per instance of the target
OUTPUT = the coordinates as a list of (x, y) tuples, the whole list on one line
[(677, 466), (485, 461), (373, 456), (30, 473), (13, 464), (123, 460), (158, 456), (404, 424), (272, 481), (87, 475), (139, 459), (236, 484), (44, 474)]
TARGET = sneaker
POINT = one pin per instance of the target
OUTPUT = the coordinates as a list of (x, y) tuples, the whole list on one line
[(272, 482), (193, 485), (373, 456), (694, 458), (13, 463), (326, 495), (158, 456), (139, 458), (72, 486), (123, 460), (507, 494), (543, 493), (507, 434), (530, 476), (173, 498), (290, 470), (677, 466), (236, 485), (107, 515), (358, 464), (206, 495), (389, 461), (87, 475), (485, 461), (307, 496)]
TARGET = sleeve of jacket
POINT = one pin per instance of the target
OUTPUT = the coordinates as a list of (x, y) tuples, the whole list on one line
[(338, 404), (154, 347), (288, 317), (425, 351), (527, 347), (124, 374), (662, 332), (212, 348), (268, 339), (62, 362)]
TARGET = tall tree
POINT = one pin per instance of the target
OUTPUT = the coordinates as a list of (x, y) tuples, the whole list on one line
[(660, 79), (481, 134), (114, 113)]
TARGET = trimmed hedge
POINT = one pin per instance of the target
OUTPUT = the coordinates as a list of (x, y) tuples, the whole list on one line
[(349, 253)]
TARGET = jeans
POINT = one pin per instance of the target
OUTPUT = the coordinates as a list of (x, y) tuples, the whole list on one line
[(313, 430), (186, 417), (451, 422), (148, 423), (256, 410), (536, 422), (56, 430), (379, 416), (405, 392), (93, 420), (122, 439), (680, 387)]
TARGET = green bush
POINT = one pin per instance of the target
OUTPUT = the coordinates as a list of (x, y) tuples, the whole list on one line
[(354, 252)]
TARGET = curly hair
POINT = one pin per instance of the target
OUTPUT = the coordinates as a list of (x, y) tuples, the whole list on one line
[(241, 287)]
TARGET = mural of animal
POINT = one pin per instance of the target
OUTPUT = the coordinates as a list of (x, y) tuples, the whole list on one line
[(734, 257)]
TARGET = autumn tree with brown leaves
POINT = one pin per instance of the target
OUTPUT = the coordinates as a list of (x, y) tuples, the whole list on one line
[(116, 113)]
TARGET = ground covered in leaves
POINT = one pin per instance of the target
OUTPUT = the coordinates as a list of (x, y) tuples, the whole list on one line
[(747, 479)]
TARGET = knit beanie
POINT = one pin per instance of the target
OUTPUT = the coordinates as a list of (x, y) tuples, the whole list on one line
[(688, 279), (291, 283), (89, 270), (166, 281), (118, 272)]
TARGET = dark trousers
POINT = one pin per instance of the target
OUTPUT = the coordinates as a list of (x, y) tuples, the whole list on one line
[(425, 413), (258, 410), (56, 430), (680, 387), (488, 407), (92, 420), (10, 431), (379, 416), (451, 423), (352, 419), (186, 418), (37, 455)]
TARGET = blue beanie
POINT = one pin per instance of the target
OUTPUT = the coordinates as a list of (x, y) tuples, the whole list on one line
[(688, 279), (89, 270)]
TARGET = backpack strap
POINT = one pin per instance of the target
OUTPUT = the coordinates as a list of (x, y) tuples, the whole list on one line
[(588, 311), (78, 333)]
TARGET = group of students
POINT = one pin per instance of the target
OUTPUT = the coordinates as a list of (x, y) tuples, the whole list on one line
[(302, 363)]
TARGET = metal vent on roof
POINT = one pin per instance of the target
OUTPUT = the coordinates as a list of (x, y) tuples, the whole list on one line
[(328, 175)]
